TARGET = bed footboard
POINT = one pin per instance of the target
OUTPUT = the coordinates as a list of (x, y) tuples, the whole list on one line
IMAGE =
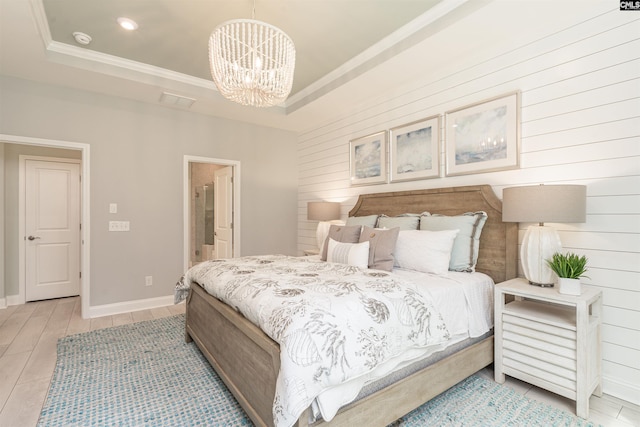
[(243, 356)]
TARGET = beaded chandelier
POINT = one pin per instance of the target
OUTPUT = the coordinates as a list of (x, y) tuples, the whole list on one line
[(252, 62)]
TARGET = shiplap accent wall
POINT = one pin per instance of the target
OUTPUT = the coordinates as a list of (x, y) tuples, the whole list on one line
[(580, 124)]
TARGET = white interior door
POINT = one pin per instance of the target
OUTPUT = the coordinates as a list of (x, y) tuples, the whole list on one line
[(223, 212), (52, 241)]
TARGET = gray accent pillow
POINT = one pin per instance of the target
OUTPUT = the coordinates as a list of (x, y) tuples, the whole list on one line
[(382, 243), (464, 254), (368, 220), (404, 221), (342, 234)]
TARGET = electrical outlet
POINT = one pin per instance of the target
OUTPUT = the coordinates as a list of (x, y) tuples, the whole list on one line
[(118, 225), (148, 280)]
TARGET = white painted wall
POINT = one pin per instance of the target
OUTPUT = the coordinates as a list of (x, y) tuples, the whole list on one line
[(137, 153), (579, 78)]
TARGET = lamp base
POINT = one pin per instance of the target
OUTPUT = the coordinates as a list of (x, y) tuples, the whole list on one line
[(323, 230), (542, 285), (538, 245)]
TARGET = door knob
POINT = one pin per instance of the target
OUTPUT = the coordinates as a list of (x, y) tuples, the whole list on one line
[(33, 237)]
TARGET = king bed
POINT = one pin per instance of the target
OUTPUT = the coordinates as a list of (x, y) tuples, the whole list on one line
[(248, 358)]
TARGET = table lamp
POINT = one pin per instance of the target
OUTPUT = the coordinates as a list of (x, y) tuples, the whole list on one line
[(325, 212), (542, 203)]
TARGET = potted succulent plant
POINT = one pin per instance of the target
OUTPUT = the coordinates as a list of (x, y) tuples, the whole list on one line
[(569, 268)]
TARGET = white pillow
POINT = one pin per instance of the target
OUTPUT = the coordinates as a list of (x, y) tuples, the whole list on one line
[(426, 251), (356, 254)]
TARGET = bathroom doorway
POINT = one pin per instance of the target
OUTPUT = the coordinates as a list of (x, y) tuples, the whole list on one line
[(211, 209), (202, 202)]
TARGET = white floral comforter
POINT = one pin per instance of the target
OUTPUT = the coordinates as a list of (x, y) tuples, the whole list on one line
[(333, 322)]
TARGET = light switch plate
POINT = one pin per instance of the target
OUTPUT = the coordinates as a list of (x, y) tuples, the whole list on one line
[(113, 208)]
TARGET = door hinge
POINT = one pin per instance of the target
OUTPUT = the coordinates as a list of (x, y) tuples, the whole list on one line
[(232, 226), (81, 274)]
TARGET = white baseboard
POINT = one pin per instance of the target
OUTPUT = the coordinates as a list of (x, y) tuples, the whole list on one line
[(621, 389), (127, 306), (10, 300)]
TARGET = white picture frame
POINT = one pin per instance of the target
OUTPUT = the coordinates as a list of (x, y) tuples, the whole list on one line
[(368, 159), (414, 150), (483, 137)]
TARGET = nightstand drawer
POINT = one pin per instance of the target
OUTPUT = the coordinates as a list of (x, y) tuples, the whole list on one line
[(542, 331), (545, 339), (543, 349), (556, 317), (544, 371), (540, 378)]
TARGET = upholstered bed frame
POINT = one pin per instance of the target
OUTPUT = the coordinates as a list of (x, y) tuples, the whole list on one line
[(248, 361)]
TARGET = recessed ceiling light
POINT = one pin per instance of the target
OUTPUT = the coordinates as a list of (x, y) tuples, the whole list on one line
[(128, 24)]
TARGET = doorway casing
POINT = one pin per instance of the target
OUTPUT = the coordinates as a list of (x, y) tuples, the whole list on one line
[(187, 200), (85, 243)]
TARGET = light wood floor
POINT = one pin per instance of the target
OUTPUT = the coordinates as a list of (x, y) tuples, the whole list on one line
[(29, 334)]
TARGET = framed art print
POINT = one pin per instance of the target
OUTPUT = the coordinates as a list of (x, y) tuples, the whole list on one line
[(483, 137), (368, 159), (414, 150)]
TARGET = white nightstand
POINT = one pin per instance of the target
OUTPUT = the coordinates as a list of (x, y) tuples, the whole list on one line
[(308, 252), (549, 339)]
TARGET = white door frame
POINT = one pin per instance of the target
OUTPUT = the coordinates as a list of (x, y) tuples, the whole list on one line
[(85, 242), (187, 201)]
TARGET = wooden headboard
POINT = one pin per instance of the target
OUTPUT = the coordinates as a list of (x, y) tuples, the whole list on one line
[(499, 240)]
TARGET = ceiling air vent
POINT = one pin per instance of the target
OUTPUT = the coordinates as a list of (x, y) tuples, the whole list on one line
[(176, 100)]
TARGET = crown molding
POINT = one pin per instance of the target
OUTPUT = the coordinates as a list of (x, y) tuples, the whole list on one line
[(116, 66)]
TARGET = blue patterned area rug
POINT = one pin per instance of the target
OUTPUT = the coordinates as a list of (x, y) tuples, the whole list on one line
[(144, 374)]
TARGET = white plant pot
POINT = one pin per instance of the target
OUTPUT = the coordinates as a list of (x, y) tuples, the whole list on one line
[(569, 286)]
